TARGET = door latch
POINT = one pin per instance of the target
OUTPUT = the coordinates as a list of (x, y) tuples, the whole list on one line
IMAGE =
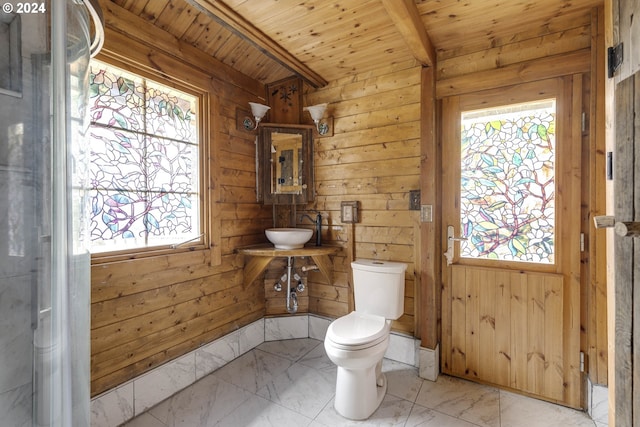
[(450, 239)]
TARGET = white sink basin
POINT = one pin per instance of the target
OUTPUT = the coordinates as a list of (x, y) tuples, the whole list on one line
[(288, 238)]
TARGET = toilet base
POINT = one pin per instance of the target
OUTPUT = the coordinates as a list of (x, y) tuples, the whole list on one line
[(359, 392)]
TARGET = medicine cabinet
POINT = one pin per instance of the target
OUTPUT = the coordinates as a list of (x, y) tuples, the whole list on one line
[(285, 164)]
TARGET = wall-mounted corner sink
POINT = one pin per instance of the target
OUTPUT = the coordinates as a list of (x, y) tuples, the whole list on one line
[(288, 238)]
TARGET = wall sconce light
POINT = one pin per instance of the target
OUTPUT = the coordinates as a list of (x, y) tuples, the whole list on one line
[(317, 111), (258, 111)]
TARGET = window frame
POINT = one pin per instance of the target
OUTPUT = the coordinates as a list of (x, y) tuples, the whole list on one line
[(204, 113)]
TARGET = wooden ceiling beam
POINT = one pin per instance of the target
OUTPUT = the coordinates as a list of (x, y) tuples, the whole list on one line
[(406, 18), (221, 13)]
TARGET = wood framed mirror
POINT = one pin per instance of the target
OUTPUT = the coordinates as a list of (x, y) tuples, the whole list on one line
[(285, 164)]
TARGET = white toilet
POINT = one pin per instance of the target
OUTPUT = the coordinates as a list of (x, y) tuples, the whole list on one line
[(356, 343)]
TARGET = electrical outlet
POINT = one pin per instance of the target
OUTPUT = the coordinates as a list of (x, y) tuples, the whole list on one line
[(349, 212)]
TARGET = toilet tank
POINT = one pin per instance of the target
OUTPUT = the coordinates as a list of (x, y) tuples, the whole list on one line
[(378, 287)]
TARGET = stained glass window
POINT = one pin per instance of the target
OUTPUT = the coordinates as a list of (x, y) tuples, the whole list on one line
[(144, 162), (507, 187)]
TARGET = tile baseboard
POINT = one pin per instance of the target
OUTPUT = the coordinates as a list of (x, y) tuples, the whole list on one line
[(598, 403), (126, 401)]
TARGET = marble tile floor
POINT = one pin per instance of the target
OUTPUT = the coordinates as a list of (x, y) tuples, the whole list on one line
[(292, 383)]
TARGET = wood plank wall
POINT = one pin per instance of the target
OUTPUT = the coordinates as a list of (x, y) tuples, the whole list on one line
[(147, 311), (626, 164), (624, 142), (373, 158)]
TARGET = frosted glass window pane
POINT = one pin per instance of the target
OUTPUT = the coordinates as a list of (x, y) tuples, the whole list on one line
[(170, 114), (144, 162)]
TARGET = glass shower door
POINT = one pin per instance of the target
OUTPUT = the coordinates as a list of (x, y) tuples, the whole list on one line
[(44, 266)]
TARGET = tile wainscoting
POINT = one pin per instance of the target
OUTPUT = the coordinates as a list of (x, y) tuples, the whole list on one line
[(118, 405)]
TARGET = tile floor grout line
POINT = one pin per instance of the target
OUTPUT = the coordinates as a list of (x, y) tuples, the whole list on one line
[(407, 386)]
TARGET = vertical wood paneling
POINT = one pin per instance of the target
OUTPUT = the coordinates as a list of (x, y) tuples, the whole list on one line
[(429, 250), (458, 348), (502, 328), (449, 179), (471, 313), (535, 334), (624, 251), (512, 329), (519, 331), (488, 353), (570, 190), (553, 324), (594, 188)]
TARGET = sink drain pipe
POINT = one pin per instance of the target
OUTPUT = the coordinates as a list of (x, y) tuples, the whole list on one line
[(292, 297)]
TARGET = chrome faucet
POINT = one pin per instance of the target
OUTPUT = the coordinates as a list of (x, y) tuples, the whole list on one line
[(318, 223)]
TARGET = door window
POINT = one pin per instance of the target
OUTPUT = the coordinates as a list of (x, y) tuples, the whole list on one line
[(507, 182)]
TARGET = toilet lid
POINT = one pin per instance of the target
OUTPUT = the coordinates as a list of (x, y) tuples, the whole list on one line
[(357, 328)]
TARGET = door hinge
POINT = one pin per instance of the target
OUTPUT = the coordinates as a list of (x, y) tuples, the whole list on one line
[(581, 242), (582, 363), (584, 122), (615, 58)]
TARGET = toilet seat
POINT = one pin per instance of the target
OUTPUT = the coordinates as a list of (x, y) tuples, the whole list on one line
[(356, 331)]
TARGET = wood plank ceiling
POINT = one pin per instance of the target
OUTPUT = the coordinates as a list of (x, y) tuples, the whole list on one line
[(323, 41)]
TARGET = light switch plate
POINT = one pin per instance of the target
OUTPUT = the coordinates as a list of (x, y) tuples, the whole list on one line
[(414, 200)]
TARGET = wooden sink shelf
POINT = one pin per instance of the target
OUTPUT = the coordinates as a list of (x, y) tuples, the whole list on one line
[(262, 255)]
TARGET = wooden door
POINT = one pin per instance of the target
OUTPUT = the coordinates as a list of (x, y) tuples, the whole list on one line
[(511, 188)]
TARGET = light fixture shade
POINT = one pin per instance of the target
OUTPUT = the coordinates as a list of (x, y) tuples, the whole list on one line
[(316, 111), (258, 110)]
